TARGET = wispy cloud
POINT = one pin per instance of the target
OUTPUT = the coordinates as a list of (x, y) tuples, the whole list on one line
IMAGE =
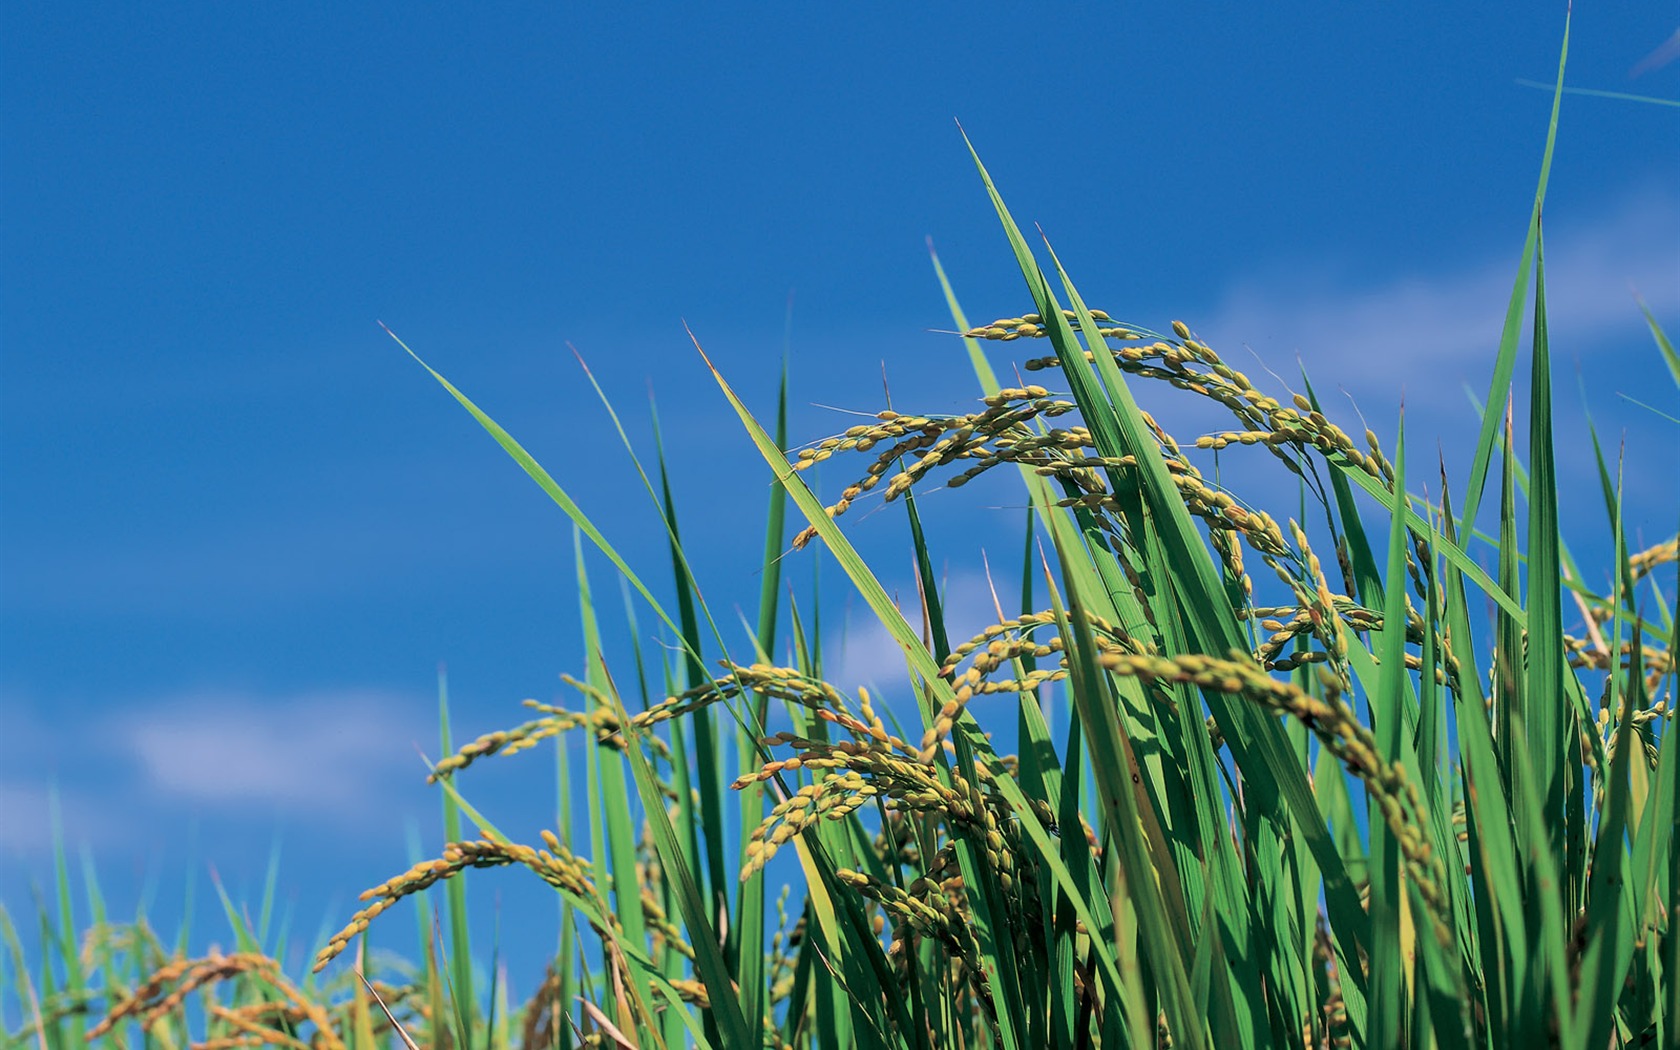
[(1428, 333), (1662, 55), (872, 658), (26, 828), (305, 752), (330, 758)]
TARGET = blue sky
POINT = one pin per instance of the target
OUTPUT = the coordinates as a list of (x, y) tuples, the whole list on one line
[(239, 529)]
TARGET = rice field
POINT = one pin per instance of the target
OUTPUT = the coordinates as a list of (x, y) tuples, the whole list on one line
[(1360, 761)]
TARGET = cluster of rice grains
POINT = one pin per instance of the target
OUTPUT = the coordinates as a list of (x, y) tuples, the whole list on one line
[(273, 1019)]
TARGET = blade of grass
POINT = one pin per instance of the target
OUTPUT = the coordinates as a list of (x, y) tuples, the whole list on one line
[(28, 1000), (455, 892), (1664, 347), (749, 908), (75, 975), (1611, 909), (705, 738), (614, 796), (1505, 363), (1546, 716), (545, 482), (1390, 969)]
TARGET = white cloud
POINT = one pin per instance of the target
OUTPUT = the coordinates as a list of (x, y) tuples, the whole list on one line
[(333, 758), (26, 819), (322, 751), (1430, 333), (871, 657), (1660, 56)]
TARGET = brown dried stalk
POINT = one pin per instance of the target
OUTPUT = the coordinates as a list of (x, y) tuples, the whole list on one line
[(163, 993)]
